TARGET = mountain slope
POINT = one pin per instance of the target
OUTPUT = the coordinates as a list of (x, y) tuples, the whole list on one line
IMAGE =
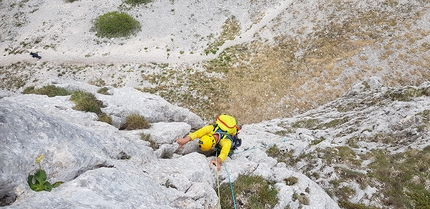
[(269, 58), (368, 148)]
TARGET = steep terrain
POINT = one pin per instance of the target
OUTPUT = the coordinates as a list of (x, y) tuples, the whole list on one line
[(367, 149), (333, 95), (101, 166)]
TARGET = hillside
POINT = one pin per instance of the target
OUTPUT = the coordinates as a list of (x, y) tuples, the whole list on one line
[(266, 59)]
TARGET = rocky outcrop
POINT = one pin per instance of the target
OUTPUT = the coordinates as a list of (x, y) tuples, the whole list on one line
[(104, 167)]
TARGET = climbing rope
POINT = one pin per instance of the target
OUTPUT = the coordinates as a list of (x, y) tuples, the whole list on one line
[(231, 187)]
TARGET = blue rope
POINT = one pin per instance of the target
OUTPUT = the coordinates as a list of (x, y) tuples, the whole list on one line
[(231, 187)]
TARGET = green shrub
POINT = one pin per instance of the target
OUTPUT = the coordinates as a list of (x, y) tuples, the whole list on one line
[(115, 24), (252, 191), (135, 121), (50, 91)]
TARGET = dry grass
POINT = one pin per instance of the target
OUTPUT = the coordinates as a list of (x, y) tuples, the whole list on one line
[(135, 121), (11, 76), (258, 81)]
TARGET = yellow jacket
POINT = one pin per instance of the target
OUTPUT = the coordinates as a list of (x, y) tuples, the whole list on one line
[(225, 143)]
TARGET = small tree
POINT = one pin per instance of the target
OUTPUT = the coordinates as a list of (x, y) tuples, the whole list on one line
[(115, 24)]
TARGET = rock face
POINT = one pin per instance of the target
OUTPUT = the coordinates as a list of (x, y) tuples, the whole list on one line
[(87, 161), (88, 156), (104, 167)]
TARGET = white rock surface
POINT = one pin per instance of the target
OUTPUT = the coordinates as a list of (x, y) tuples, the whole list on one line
[(86, 155)]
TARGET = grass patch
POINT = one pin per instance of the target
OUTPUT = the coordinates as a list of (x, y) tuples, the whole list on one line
[(98, 82), (103, 117), (306, 123), (424, 117), (103, 90), (152, 143), (250, 192), (348, 205), (341, 154), (115, 25), (50, 91), (334, 123), (230, 29), (317, 141), (291, 180), (407, 94), (86, 102), (135, 121), (137, 2), (281, 156), (403, 176), (203, 90), (303, 199)]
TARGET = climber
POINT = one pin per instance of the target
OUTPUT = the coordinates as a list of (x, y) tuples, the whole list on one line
[(222, 136)]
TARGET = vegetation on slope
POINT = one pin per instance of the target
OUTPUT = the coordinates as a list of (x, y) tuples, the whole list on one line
[(115, 24), (261, 81), (382, 160)]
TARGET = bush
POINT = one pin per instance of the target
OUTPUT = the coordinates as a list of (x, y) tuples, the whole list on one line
[(50, 91), (135, 121), (115, 24)]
